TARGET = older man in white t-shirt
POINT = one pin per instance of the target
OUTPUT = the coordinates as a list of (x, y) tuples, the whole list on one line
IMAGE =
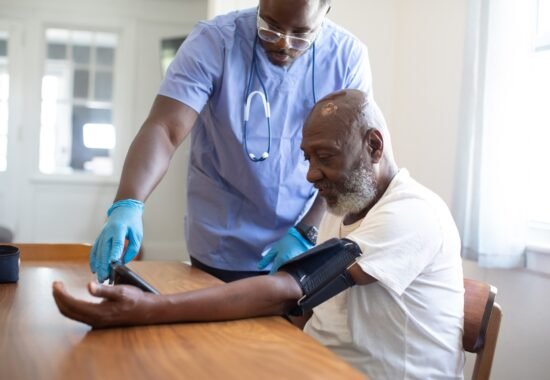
[(406, 321), (408, 324)]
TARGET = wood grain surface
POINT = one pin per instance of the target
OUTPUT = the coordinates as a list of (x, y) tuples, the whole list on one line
[(37, 342)]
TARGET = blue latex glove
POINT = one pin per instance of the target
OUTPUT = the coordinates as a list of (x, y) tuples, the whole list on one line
[(125, 222), (284, 249)]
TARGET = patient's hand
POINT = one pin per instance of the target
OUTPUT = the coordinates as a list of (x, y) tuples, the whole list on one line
[(122, 305), (125, 305)]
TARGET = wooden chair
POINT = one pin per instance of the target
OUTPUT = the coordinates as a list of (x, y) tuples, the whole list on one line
[(481, 325), (53, 251)]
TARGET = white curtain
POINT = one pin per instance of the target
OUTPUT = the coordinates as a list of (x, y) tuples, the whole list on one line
[(493, 149)]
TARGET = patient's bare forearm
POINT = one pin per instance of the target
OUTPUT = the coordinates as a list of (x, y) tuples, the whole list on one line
[(252, 297)]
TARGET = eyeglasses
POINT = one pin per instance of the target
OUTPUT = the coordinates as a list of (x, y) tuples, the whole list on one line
[(297, 41)]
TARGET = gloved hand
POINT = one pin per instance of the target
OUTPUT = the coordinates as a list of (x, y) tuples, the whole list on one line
[(124, 222), (284, 249)]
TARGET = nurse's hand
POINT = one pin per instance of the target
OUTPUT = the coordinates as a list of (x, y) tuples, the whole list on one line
[(286, 248), (124, 222)]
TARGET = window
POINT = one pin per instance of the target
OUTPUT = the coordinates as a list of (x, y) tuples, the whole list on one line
[(4, 97), (502, 206), (77, 131)]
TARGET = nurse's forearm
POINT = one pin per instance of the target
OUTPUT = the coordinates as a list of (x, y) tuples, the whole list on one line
[(251, 297), (146, 163), (315, 213), (149, 156)]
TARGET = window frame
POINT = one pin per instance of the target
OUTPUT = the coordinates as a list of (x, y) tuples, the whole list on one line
[(7, 101), (542, 39), (114, 104), (538, 232)]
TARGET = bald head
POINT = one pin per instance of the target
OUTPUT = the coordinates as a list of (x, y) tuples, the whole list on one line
[(348, 109), (348, 146)]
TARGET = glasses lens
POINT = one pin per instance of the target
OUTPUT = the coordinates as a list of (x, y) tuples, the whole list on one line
[(268, 35), (298, 43), (293, 42)]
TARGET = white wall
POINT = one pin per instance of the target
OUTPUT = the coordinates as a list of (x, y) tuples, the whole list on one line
[(426, 89), (416, 56), (375, 23), (218, 7)]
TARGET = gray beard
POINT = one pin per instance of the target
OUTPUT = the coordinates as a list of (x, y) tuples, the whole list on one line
[(359, 190)]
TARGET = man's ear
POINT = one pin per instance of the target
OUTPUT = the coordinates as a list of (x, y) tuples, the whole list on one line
[(375, 144)]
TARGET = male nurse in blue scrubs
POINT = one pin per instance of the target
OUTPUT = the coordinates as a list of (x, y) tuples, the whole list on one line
[(241, 86)]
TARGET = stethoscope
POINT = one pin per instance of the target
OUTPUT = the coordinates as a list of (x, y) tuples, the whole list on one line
[(265, 101)]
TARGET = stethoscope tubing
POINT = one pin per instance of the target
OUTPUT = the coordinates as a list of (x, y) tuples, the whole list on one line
[(265, 101)]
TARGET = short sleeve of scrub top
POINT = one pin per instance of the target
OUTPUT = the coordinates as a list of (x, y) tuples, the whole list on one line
[(197, 66)]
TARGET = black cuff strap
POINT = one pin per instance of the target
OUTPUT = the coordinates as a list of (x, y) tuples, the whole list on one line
[(322, 272)]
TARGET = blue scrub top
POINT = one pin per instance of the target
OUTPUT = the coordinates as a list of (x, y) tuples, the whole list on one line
[(237, 207)]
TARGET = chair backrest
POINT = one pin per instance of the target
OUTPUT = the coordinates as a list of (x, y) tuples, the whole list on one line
[(53, 251), (481, 325)]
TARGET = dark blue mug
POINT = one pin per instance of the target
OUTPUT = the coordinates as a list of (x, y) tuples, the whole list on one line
[(9, 263)]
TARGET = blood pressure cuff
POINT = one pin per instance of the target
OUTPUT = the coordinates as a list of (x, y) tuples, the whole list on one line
[(322, 272)]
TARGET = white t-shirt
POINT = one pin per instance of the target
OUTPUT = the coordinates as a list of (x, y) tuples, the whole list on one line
[(408, 324)]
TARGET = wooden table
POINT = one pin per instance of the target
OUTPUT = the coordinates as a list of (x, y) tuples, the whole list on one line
[(37, 342)]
